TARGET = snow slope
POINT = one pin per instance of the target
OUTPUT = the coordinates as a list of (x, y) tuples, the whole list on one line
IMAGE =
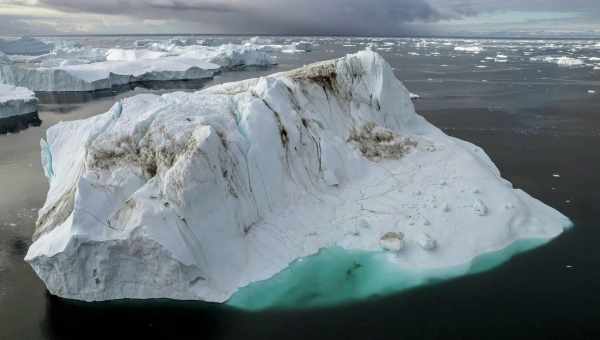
[(16, 101), (194, 195)]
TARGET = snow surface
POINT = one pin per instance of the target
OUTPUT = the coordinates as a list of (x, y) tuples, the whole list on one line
[(16, 101), (195, 195)]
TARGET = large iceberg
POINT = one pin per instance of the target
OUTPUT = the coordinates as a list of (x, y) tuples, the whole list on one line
[(15, 101), (75, 69), (196, 195)]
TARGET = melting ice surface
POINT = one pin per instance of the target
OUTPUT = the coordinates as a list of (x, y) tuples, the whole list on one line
[(337, 276), (227, 194)]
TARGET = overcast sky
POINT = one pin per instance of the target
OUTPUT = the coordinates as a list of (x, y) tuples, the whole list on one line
[(306, 17)]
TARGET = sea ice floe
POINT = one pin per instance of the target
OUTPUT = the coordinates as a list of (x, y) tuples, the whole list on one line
[(560, 61), (469, 49)]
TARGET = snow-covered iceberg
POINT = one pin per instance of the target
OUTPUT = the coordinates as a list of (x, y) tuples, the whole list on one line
[(196, 195), (15, 101), (75, 69), (25, 46)]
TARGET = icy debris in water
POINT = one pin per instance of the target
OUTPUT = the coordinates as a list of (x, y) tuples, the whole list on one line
[(392, 241), (377, 143), (414, 96), (591, 91), (569, 266), (480, 208), (330, 178), (426, 242), (556, 175)]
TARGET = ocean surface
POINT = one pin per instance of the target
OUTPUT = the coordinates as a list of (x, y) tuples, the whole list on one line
[(529, 103)]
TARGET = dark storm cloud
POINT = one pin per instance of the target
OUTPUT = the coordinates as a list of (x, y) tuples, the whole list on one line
[(385, 17), (264, 16), (471, 7)]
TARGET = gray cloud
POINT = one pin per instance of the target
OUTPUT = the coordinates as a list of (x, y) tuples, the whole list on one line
[(266, 16), (374, 17)]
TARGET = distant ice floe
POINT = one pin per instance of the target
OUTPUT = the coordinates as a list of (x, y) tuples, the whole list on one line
[(469, 49), (25, 46), (16, 101), (560, 61)]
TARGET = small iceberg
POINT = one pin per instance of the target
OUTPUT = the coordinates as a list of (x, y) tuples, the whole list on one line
[(18, 108)]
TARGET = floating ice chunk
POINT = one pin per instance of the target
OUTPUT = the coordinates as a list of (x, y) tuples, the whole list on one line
[(560, 61), (469, 49), (591, 91), (16, 101), (392, 241), (414, 96)]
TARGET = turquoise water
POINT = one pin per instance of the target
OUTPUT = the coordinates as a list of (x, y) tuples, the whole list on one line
[(337, 276)]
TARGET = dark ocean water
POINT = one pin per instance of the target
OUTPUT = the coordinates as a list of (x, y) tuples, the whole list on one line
[(534, 119)]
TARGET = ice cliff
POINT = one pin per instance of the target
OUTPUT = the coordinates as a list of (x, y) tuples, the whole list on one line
[(194, 195), (70, 68)]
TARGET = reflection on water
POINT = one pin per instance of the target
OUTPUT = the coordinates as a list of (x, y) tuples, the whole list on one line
[(18, 123)]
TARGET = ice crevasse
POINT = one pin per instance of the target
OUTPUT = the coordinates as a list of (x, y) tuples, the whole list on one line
[(204, 195)]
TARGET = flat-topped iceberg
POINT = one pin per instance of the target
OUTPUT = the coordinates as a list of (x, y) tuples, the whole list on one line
[(107, 74), (75, 69), (15, 101), (196, 195)]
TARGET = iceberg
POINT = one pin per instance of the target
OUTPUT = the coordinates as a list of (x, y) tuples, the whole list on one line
[(107, 74), (25, 46), (15, 101), (74, 69), (199, 196)]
